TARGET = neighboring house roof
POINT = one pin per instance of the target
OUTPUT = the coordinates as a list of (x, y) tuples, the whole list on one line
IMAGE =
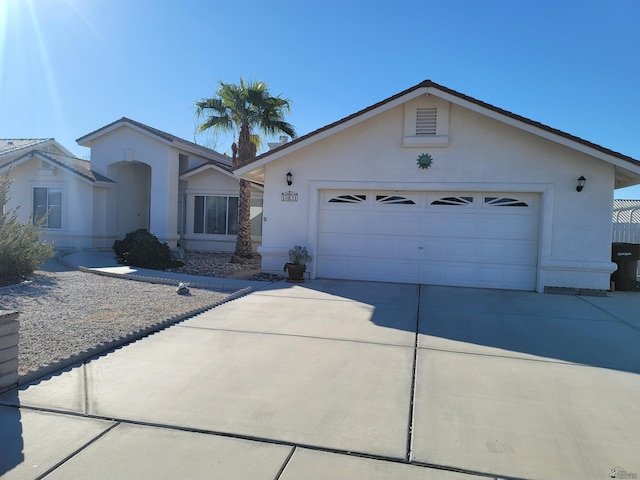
[(72, 164), (9, 145), (626, 211), (627, 168), (16, 147), (159, 134)]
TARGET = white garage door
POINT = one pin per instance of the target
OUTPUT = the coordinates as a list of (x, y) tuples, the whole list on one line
[(476, 239)]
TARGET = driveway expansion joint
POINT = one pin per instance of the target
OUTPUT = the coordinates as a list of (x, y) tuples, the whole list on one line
[(294, 446), (447, 468), (310, 337), (414, 373), (616, 317), (285, 464), (77, 451)]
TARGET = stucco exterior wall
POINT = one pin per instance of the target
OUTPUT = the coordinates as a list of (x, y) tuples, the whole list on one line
[(113, 155), (100, 235), (146, 170), (211, 182), (77, 202), (480, 154)]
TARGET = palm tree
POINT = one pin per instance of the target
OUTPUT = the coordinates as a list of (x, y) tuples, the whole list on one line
[(242, 110)]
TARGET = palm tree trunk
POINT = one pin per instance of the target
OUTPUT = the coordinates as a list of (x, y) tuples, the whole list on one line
[(244, 245), (245, 147), (246, 150)]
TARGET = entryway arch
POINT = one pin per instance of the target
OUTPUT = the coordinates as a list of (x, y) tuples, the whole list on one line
[(134, 196)]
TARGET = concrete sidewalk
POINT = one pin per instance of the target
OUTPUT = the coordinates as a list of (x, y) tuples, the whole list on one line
[(105, 263), (338, 379)]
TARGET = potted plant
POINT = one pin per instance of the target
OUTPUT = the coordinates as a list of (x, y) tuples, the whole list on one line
[(297, 264)]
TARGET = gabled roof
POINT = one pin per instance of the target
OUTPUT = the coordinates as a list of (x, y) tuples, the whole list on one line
[(217, 167), (627, 168), (72, 164), (11, 145), (158, 134), (206, 166), (75, 165)]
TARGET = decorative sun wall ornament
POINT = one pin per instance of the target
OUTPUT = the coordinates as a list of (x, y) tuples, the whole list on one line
[(425, 160)]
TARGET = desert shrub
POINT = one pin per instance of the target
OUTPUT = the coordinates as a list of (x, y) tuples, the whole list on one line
[(120, 247), (141, 248), (21, 247)]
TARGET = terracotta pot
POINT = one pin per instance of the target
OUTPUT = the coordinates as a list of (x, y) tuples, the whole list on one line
[(296, 272)]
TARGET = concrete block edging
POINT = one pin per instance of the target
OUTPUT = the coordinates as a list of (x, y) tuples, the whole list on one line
[(9, 327), (107, 347)]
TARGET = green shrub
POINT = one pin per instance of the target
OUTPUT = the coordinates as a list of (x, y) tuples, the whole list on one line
[(120, 247), (141, 248), (21, 248)]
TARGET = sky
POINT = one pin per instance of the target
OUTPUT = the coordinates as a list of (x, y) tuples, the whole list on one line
[(69, 67)]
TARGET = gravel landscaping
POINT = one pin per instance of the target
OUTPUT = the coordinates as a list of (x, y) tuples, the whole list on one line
[(66, 314)]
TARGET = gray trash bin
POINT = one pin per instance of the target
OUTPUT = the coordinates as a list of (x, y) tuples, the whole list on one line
[(626, 256)]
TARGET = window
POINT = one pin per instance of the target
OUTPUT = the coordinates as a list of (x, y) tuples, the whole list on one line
[(215, 215), (394, 199), (256, 217), (47, 205), (453, 201), (504, 202), (348, 199)]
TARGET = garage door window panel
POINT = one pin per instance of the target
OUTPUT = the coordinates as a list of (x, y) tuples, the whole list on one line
[(348, 199), (453, 201), (504, 202), (394, 200)]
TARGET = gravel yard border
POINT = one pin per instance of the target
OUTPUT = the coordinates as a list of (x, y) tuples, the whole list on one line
[(68, 315), (107, 347)]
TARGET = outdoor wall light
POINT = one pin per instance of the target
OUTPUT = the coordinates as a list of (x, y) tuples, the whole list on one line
[(289, 178), (581, 182)]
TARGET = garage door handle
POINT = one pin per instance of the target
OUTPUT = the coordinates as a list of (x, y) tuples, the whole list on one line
[(420, 248)]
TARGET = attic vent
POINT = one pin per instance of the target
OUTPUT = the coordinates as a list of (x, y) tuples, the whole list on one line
[(426, 121), (45, 165)]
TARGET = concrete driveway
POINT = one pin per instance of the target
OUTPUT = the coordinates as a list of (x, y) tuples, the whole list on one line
[(338, 379)]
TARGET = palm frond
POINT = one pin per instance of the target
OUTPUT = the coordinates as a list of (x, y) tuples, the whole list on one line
[(219, 124), (257, 141), (246, 103)]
